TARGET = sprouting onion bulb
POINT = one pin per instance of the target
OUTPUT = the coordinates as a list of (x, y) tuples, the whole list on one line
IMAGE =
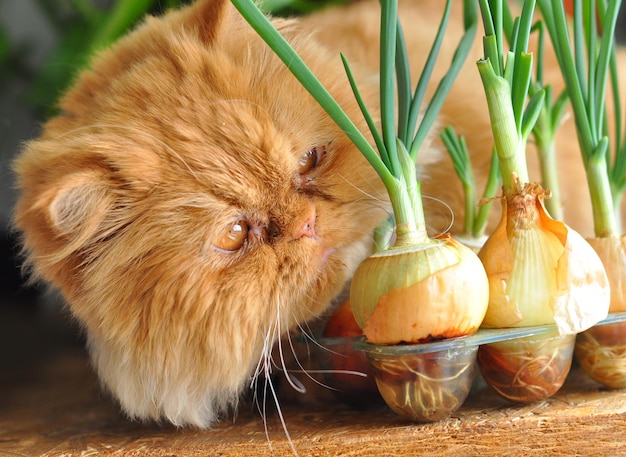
[(420, 288), (431, 292), (540, 270), (441, 276)]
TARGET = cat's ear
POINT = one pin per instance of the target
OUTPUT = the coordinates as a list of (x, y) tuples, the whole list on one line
[(79, 203), (209, 17), (62, 216)]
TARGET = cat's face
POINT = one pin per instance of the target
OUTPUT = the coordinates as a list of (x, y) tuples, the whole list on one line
[(193, 203)]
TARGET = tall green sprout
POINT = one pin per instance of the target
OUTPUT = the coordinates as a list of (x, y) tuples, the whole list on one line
[(506, 78), (588, 66), (476, 213), (544, 131), (550, 115)]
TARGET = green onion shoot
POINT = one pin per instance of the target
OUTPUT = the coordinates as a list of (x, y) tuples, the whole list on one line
[(545, 129)]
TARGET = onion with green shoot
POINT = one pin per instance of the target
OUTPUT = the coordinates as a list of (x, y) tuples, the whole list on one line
[(540, 270), (420, 288), (588, 65)]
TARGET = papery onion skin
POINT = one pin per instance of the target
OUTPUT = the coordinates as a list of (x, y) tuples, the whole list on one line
[(449, 301), (397, 267), (589, 294), (561, 280)]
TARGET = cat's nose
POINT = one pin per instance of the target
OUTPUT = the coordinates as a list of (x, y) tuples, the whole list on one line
[(306, 228)]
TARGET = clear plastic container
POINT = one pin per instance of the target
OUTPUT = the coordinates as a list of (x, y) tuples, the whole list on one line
[(425, 386), (527, 369), (601, 352), (428, 382)]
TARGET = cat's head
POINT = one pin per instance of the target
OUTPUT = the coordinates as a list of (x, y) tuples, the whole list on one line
[(193, 203)]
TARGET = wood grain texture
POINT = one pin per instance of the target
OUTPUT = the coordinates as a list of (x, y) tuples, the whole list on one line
[(56, 408)]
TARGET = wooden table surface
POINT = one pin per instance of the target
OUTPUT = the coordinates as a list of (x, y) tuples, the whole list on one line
[(51, 405)]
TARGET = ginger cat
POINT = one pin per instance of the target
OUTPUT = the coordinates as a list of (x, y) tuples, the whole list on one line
[(193, 204)]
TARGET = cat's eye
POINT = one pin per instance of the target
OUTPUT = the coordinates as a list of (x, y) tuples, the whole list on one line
[(311, 159), (235, 237)]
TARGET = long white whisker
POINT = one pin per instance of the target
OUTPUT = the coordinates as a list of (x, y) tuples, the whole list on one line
[(302, 369), (349, 372), (282, 419), (367, 194), (448, 207), (312, 339), (264, 413), (265, 366), (255, 378), (299, 388), (265, 355), (293, 382)]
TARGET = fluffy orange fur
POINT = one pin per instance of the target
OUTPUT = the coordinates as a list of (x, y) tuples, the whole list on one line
[(189, 132)]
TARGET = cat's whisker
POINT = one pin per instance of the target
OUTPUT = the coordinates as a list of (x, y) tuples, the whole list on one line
[(293, 382), (302, 370), (268, 343), (264, 367), (308, 372), (448, 208), (263, 412), (282, 418), (367, 194), (307, 333)]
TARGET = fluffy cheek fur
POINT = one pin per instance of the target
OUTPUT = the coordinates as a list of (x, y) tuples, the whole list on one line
[(176, 331)]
